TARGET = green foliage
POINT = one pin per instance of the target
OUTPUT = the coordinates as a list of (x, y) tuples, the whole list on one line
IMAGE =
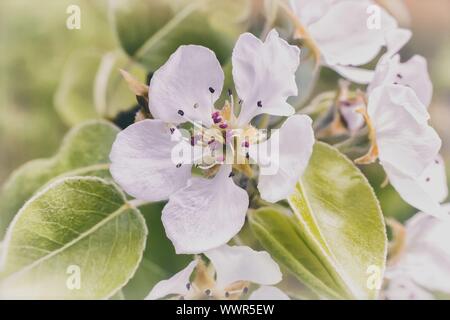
[(336, 232), (150, 31), (81, 222), (85, 151), (160, 261), (92, 87)]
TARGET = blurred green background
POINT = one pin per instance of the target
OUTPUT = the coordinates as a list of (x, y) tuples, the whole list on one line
[(36, 46)]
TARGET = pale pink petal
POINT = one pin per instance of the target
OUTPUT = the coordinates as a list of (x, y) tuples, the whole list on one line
[(264, 75), (241, 263), (283, 158), (178, 284), (268, 293), (141, 161), (188, 83), (206, 213)]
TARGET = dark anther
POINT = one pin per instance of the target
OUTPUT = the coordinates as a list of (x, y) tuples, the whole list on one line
[(399, 76), (395, 82), (195, 105), (428, 179), (436, 161), (181, 298), (181, 112), (231, 174), (259, 103), (179, 165), (172, 130), (211, 89), (188, 286), (240, 101), (247, 155), (245, 290), (207, 292), (227, 294), (230, 93)]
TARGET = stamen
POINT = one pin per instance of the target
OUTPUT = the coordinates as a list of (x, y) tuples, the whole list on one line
[(211, 89), (436, 161), (259, 104), (208, 292), (195, 105), (217, 120), (399, 76), (231, 174), (181, 112), (223, 126), (188, 286), (246, 144), (230, 94), (245, 290), (227, 294), (428, 179), (178, 165), (181, 298), (172, 130)]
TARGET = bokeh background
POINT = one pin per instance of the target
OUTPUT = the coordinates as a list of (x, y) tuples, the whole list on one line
[(36, 49)]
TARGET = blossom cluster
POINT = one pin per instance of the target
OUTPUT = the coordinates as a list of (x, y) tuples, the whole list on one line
[(208, 195)]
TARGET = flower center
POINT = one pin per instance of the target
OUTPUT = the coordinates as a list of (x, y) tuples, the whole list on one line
[(204, 286)]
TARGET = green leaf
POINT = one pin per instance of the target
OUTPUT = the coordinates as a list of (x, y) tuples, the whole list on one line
[(91, 86), (150, 31), (78, 230), (160, 261), (84, 151), (336, 231), (73, 98)]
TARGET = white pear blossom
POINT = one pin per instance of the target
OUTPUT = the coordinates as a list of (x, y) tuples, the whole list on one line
[(228, 276), (205, 212), (406, 146), (347, 33), (412, 73), (421, 270)]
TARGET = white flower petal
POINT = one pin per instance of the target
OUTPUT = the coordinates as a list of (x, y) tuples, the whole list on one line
[(241, 263), (434, 180), (426, 258), (268, 293), (358, 75), (343, 36), (141, 161), (395, 40), (413, 73), (175, 285), (403, 288), (281, 168), (413, 192), (205, 214), (264, 75), (309, 11), (184, 83), (405, 140)]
